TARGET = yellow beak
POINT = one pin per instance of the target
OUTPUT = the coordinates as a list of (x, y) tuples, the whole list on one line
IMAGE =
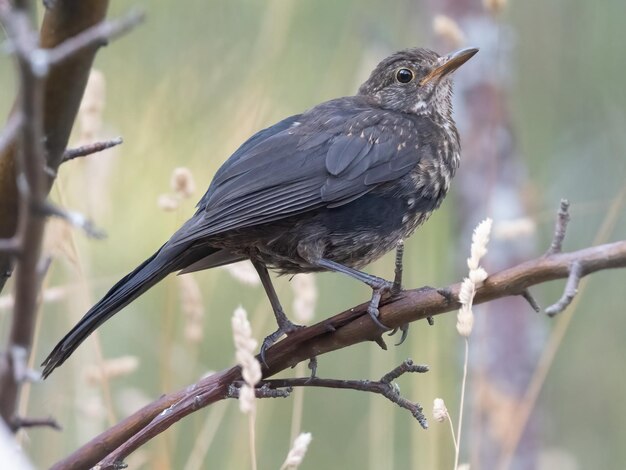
[(450, 63)]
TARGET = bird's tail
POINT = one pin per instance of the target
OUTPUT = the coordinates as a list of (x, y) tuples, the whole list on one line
[(121, 294)]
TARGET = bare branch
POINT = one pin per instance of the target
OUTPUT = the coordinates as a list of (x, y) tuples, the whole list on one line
[(406, 366), (30, 164), (10, 245), (48, 97), (74, 218), (89, 149), (344, 329), (10, 131), (98, 35), (21, 371), (50, 422), (562, 220), (531, 300), (383, 387), (571, 288)]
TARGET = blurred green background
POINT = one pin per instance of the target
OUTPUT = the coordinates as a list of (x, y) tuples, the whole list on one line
[(185, 89)]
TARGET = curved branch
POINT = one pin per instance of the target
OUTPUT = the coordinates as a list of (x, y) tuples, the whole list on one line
[(347, 328), (384, 387), (571, 289)]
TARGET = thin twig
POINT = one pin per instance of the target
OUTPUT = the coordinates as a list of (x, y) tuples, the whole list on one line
[(11, 245), (89, 149), (19, 422), (531, 300), (528, 402), (74, 218), (571, 288), (406, 367), (19, 361), (98, 35), (560, 228), (383, 387)]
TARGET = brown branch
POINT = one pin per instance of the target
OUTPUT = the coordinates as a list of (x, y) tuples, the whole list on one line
[(30, 163), (345, 329), (10, 131), (52, 73), (64, 87), (571, 288), (383, 387), (18, 423), (94, 37), (89, 149)]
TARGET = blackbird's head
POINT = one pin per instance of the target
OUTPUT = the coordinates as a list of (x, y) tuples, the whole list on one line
[(415, 81)]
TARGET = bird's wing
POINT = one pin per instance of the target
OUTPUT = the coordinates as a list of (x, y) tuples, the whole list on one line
[(328, 156), (244, 149)]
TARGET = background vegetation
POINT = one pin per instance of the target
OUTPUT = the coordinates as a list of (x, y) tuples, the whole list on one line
[(185, 89)]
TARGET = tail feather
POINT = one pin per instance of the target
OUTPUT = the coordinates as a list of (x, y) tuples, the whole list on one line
[(121, 294)]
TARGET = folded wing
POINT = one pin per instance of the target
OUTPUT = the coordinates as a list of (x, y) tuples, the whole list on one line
[(328, 156)]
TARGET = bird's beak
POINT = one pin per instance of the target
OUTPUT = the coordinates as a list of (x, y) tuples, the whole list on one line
[(449, 64)]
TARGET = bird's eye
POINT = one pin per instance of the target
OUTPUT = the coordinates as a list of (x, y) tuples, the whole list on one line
[(404, 75)]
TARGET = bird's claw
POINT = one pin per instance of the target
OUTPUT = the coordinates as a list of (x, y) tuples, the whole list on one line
[(393, 288), (374, 313), (378, 290), (285, 328), (405, 331)]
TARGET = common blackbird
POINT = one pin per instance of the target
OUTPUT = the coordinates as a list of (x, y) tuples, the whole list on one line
[(331, 189)]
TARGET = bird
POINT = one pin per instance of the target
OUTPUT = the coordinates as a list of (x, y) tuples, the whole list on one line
[(331, 189)]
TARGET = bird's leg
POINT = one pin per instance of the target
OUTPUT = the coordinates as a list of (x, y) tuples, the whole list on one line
[(285, 326), (397, 288), (397, 280), (379, 286)]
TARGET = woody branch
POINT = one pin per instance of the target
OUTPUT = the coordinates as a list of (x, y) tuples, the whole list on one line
[(25, 130), (342, 330)]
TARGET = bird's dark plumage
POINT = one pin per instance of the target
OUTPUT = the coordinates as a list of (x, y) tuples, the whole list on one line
[(332, 188)]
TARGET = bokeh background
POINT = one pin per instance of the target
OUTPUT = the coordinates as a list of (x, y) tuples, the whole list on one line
[(189, 85)]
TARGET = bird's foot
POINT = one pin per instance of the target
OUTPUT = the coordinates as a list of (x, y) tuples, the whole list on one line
[(394, 288), (379, 287), (285, 327)]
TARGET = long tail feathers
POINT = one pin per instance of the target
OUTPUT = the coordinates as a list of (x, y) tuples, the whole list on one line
[(121, 294)]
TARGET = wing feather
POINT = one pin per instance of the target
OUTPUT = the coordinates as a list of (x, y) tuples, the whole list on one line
[(326, 157)]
